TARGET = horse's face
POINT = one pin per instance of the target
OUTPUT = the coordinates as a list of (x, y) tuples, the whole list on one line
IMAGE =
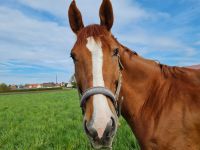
[(96, 65), (95, 56)]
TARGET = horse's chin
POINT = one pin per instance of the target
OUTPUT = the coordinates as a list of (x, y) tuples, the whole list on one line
[(108, 145), (99, 144)]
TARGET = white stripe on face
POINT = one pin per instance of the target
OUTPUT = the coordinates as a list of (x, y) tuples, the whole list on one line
[(101, 110)]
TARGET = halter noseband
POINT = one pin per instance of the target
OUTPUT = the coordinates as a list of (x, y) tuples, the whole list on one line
[(97, 90), (106, 92)]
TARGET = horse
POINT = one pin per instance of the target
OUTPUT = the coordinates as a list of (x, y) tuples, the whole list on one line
[(160, 103)]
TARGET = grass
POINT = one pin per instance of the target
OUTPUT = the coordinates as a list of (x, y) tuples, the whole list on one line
[(49, 121)]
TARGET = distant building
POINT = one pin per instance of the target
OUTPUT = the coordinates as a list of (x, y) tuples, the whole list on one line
[(13, 87), (63, 84), (33, 86), (49, 85), (69, 85), (21, 86), (72, 82)]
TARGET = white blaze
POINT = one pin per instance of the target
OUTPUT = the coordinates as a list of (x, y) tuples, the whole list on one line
[(101, 110)]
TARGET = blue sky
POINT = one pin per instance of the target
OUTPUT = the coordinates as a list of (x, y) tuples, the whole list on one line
[(35, 37)]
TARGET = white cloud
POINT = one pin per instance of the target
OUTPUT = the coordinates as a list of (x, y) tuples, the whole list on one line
[(124, 11), (55, 7), (33, 42), (46, 42), (153, 41), (27, 39), (159, 43)]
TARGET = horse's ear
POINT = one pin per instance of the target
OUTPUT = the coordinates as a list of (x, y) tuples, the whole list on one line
[(75, 18), (106, 14)]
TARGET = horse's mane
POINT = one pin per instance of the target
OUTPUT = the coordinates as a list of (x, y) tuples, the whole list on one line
[(172, 71), (167, 71)]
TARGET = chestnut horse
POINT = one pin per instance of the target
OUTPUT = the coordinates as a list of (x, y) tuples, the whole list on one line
[(160, 103)]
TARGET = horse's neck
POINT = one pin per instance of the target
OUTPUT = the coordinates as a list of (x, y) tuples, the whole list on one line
[(139, 75)]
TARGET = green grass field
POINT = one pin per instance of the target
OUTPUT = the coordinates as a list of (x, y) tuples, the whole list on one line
[(48, 121)]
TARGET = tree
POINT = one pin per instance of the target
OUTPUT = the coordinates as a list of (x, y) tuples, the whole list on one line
[(73, 81), (4, 87), (74, 85)]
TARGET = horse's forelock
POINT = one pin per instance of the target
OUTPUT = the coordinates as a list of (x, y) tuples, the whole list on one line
[(91, 31)]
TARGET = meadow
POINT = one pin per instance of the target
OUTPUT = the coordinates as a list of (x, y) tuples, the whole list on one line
[(49, 121)]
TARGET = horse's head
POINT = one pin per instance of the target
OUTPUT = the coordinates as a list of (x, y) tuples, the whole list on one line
[(97, 72)]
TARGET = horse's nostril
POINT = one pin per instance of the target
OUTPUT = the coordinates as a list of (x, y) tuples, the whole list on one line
[(113, 123), (85, 127), (90, 131), (110, 129)]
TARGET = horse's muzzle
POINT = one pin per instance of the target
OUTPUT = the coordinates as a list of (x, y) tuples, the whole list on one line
[(106, 138)]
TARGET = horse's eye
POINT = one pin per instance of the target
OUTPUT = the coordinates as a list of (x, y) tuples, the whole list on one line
[(116, 52), (72, 55)]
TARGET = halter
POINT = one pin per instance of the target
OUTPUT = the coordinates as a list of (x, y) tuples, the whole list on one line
[(106, 92)]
